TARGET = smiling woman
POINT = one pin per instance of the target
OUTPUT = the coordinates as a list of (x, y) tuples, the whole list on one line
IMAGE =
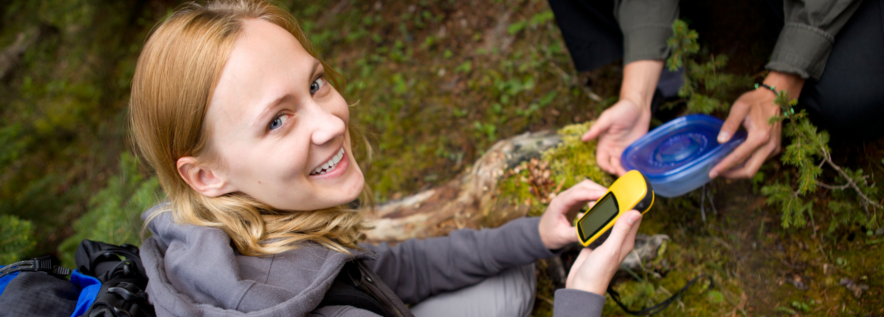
[(263, 100), (254, 149)]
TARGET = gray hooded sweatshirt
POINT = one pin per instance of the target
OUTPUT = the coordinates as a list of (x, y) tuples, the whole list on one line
[(195, 271)]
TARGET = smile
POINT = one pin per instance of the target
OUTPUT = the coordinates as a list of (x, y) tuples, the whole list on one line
[(330, 165)]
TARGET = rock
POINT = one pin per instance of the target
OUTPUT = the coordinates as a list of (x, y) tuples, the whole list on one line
[(645, 250)]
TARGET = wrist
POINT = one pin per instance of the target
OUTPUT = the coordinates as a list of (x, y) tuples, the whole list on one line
[(639, 82), (790, 83), (589, 287)]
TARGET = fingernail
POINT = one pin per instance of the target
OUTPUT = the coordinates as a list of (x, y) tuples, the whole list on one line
[(713, 175), (633, 218), (723, 137)]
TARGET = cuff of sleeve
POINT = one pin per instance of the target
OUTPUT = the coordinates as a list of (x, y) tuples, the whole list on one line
[(572, 302), (646, 42), (537, 249), (802, 50)]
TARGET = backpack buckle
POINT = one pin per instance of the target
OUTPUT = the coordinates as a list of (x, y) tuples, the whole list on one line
[(48, 264)]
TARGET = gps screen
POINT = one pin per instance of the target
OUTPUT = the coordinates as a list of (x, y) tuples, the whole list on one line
[(603, 211)]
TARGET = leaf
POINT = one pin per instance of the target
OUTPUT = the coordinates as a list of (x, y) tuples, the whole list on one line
[(715, 296)]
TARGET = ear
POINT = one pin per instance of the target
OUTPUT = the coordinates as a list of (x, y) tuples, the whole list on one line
[(206, 180)]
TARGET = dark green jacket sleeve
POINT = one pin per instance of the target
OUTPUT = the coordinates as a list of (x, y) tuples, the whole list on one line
[(646, 26), (809, 34)]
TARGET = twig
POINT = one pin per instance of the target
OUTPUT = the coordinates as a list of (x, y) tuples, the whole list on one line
[(703, 203), (711, 203), (547, 300), (833, 187), (850, 182)]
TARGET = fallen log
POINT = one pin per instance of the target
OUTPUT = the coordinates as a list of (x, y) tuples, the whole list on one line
[(468, 201)]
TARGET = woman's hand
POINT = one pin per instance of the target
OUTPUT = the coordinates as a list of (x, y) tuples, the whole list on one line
[(555, 227), (753, 110), (593, 269)]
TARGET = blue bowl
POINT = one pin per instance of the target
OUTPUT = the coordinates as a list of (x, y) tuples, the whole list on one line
[(676, 157)]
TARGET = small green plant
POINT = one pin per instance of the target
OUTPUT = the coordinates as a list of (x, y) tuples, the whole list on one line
[(16, 239), (808, 152), (705, 85)]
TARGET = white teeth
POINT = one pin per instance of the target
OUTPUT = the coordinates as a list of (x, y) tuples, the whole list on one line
[(330, 165)]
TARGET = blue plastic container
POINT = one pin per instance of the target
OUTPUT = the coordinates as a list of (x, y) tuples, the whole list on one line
[(676, 157)]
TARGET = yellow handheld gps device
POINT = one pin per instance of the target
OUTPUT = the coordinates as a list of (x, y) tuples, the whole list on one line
[(631, 191)]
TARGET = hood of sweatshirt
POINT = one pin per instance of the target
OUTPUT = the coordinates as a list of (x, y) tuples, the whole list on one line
[(196, 271)]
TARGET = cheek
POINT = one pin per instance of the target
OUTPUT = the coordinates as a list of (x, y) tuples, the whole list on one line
[(339, 106)]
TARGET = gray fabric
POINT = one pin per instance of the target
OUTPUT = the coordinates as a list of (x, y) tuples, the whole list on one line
[(646, 27), (508, 294), (39, 294), (571, 302), (194, 271), (806, 41), (416, 269)]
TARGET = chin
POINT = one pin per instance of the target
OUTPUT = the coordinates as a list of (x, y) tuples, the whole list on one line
[(354, 186)]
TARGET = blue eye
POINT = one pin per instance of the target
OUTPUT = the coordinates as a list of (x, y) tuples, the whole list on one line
[(317, 85), (277, 122)]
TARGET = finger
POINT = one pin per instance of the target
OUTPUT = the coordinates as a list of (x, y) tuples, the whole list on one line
[(615, 165), (732, 123), (600, 125), (738, 156), (621, 230), (589, 184), (579, 195), (629, 243), (752, 165), (603, 159)]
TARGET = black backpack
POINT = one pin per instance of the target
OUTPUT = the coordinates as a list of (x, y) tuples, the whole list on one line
[(109, 281)]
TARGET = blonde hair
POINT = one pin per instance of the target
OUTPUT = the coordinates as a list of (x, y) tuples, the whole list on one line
[(174, 80)]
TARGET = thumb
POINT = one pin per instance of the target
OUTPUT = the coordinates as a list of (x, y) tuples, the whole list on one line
[(622, 228), (600, 125), (732, 123)]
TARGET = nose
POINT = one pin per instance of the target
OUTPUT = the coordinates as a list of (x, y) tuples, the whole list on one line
[(326, 126)]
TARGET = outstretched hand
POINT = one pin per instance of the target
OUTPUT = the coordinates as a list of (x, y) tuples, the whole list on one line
[(616, 129), (593, 269), (555, 227)]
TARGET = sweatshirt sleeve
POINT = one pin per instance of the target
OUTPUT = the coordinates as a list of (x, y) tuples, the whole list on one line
[(416, 269), (571, 302), (807, 38), (646, 27)]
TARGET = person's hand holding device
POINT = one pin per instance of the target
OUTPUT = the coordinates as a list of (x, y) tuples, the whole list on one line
[(556, 230), (594, 269), (620, 207)]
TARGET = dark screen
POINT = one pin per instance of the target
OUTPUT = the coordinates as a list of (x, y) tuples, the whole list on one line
[(603, 211)]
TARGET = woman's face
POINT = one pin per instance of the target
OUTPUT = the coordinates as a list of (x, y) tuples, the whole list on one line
[(279, 127)]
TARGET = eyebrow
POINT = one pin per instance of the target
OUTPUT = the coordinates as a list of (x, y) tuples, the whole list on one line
[(268, 109)]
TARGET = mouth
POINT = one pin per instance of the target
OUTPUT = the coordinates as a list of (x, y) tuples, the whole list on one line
[(329, 165)]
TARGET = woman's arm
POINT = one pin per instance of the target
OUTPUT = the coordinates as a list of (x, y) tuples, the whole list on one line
[(416, 269)]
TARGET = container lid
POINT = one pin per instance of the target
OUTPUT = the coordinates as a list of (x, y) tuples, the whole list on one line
[(679, 148)]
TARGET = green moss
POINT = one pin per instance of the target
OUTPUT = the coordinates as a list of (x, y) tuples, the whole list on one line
[(570, 162)]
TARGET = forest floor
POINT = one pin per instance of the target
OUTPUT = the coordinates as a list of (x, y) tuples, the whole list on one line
[(436, 82)]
